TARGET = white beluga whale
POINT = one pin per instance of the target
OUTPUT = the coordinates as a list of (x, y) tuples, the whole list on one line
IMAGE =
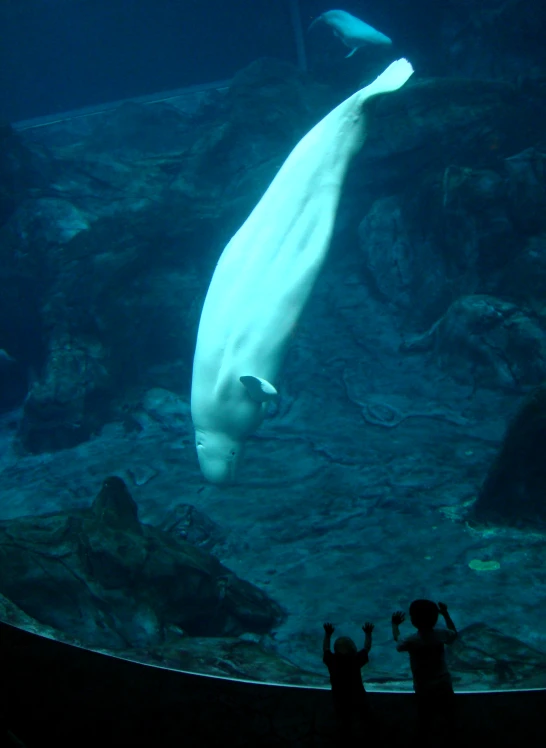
[(353, 32), (263, 280)]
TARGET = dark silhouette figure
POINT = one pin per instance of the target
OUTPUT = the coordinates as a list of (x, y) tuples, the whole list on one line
[(349, 695), (431, 678)]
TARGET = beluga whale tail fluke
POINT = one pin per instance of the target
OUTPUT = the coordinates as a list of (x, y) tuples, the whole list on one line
[(263, 281), (353, 32), (390, 79)]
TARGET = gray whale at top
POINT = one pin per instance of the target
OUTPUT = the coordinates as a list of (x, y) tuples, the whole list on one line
[(353, 32)]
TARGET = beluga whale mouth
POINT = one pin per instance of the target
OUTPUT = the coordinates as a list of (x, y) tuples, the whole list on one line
[(263, 281), (219, 457)]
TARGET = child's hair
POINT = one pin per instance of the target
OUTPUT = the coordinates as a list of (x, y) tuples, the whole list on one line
[(423, 614), (344, 645)]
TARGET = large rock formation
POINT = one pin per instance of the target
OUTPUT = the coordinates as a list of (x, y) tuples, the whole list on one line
[(102, 577), (460, 230), (495, 660), (486, 342), (20, 269)]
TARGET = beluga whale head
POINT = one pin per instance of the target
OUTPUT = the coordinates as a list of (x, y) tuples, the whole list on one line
[(224, 424), (219, 456)]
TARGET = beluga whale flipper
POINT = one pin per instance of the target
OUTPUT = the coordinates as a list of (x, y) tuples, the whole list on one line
[(263, 280), (353, 32)]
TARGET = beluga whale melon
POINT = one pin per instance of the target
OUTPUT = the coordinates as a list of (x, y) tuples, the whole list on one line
[(263, 280), (353, 32)]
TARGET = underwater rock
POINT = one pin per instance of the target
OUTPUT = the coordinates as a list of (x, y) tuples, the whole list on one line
[(249, 656), (22, 276), (134, 130), (527, 190), (235, 658), (268, 108), (18, 172), (393, 258), (14, 616), (487, 217), (514, 490), (478, 232), (100, 576), (131, 312), (493, 660), (524, 278), (189, 524), (495, 39), (115, 507), (64, 407), (468, 227), (171, 411), (44, 221), (436, 122), (484, 340)]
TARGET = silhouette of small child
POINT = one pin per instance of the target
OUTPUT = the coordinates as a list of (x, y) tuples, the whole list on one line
[(344, 665), (431, 678)]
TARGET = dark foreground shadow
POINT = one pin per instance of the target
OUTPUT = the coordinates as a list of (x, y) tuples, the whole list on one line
[(59, 695)]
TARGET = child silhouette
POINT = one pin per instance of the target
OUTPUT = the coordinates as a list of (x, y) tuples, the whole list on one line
[(431, 678), (344, 665)]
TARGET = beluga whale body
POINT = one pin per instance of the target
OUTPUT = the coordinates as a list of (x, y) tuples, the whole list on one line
[(263, 280), (353, 32)]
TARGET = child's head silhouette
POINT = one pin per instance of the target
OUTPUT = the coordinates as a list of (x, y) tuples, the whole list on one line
[(344, 645), (423, 614)]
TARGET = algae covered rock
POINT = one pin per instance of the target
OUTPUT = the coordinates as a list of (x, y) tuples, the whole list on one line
[(490, 659), (18, 171), (115, 506), (65, 406), (486, 341), (102, 577)]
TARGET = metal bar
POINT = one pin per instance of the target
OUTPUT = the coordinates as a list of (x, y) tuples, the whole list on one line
[(295, 15)]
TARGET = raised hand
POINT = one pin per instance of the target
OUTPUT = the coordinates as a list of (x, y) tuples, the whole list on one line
[(328, 628), (398, 617)]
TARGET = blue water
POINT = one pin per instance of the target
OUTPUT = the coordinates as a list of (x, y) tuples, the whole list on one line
[(143, 134)]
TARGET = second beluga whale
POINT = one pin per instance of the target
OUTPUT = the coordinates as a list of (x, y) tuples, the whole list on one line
[(263, 280), (352, 31)]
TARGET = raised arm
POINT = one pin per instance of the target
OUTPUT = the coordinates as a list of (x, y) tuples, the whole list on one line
[(367, 629), (396, 619), (328, 631), (442, 609)]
